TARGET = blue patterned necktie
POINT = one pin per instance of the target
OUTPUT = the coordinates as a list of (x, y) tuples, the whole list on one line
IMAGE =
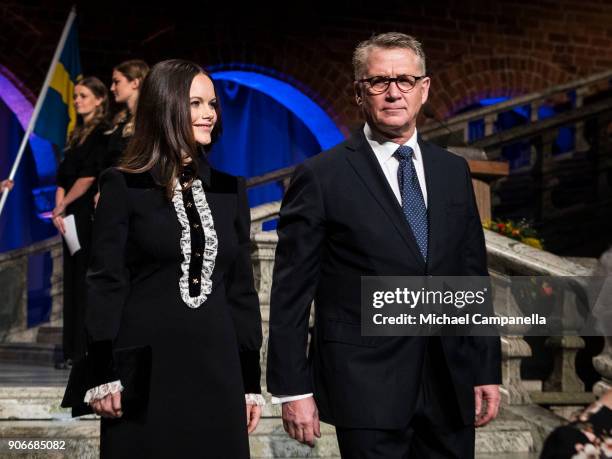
[(413, 203)]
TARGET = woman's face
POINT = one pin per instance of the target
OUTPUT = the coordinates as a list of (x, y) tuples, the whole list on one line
[(85, 102), (203, 101), (122, 88)]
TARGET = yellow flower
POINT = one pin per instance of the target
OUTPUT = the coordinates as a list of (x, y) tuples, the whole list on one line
[(533, 242)]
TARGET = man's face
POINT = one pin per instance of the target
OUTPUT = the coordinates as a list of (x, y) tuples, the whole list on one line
[(393, 112)]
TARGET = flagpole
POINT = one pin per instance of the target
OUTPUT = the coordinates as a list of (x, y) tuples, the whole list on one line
[(39, 102)]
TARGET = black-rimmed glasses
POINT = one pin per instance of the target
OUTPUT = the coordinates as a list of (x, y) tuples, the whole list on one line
[(380, 84)]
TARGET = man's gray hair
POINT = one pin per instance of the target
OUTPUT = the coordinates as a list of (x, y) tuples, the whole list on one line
[(387, 40)]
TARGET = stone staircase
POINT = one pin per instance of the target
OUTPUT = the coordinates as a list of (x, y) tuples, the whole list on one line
[(33, 414), (46, 350)]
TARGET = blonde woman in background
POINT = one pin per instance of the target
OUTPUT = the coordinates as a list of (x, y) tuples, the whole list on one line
[(76, 187)]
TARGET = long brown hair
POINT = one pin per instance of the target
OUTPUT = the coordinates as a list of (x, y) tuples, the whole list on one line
[(133, 69), (82, 130), (163, 132)]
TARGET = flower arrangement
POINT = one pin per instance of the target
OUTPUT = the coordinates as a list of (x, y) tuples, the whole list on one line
[(521, 231)]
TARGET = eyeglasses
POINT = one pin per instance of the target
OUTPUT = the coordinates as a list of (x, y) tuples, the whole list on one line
[(380, 84)]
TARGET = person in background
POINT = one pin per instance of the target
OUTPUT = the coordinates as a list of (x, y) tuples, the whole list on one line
[(126, 80), (589, 435), (76, 187)]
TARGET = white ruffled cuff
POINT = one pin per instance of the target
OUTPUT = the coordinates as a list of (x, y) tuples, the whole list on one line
[(99, 392), (254, 399)]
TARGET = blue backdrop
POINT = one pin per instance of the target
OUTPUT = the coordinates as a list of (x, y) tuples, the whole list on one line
[(19, 222), (259, 136)]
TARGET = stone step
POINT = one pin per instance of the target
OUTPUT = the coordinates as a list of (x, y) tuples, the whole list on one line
[(32, 403), (49, 335), (36, 411), (30, 353), (505, 436), (81, 439), (78, 438), (271, 440)]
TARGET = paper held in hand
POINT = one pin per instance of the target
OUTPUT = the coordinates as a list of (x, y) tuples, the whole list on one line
[(70, 236)]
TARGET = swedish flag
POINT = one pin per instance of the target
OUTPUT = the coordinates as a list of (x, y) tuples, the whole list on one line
[(57, 115)]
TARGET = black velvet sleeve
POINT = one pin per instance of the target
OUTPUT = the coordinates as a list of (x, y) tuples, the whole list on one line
[(243, 298), (107, 276)]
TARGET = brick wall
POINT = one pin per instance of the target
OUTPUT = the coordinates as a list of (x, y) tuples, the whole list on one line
[(475, 49)]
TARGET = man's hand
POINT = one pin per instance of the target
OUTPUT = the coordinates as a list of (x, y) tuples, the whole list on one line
[(109, 406), (301, 420), (490, 394), (253, 413)]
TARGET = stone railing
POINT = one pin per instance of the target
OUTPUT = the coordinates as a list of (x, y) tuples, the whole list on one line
[(14, 288), (456, 128), (507, 257), (562, 390)]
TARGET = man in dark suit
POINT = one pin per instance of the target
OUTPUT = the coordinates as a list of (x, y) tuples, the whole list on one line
[(382, 203)]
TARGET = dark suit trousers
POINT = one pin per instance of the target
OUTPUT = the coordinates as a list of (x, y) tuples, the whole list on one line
[(435, 430)]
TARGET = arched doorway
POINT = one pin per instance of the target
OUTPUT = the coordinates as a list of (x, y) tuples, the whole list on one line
[(20, 224), (268, 124)]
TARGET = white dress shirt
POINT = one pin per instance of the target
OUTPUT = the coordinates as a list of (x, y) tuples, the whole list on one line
[(383, 150)]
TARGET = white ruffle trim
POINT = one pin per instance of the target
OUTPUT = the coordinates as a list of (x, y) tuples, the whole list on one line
[(254, 399), (211, 243), (102, 391)]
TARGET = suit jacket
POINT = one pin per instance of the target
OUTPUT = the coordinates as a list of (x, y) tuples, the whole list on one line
[(339, 221)]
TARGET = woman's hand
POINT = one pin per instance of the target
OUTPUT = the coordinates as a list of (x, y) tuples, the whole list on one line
[(109, 406), (60, 209), (58, 222), (253, 413)]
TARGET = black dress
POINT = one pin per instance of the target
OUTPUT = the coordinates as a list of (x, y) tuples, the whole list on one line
[(199, 314), (80, 161), (590, 438), (116, 144)]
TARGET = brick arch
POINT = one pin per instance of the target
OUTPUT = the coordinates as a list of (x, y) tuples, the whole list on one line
[(327, 83), (471, 80), (23, 52)]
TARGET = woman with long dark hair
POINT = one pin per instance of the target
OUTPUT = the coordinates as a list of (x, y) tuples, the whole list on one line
[(76, 187), (126, 81), (171, 272)]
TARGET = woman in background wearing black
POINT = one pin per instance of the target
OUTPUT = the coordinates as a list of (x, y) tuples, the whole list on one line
[(76, 187), (171, 272), (126, 80)]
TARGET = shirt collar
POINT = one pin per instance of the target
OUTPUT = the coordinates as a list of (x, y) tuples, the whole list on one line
[(384, 149)]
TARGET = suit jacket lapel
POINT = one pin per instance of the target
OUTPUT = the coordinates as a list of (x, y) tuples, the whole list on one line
[(362, 159)]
